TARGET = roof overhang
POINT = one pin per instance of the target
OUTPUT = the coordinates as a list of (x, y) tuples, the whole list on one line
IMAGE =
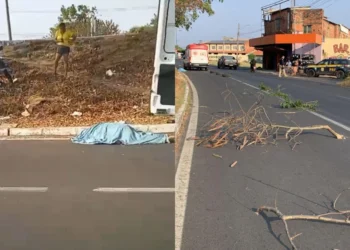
[(285, 39)]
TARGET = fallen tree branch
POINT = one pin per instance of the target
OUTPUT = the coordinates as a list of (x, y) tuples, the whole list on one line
[(244, 128), (319, 218), (313, 127)]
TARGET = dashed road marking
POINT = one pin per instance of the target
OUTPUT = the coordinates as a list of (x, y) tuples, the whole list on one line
[(133, 190), (24, 189)]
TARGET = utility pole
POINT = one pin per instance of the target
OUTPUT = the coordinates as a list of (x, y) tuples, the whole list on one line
[(237, 42), (223, 46), (293, 3), (8, 20)]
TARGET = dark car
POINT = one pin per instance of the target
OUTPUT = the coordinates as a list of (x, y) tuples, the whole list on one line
[(331, 67), (227, 62)]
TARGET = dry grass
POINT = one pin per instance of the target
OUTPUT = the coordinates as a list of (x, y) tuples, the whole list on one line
[(345, 82), (180, 89), (124, 96)]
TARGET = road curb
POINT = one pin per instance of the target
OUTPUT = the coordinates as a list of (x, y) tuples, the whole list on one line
[(73, 131), (180, 114), (183, 172)]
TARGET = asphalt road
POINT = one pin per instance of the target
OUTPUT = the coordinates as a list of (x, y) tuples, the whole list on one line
[(334, 101), (68, 214), (221, 204)]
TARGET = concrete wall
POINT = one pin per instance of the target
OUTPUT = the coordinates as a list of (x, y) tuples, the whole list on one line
[(336, 47), (307, 48)]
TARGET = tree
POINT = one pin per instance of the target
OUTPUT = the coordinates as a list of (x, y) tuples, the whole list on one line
[(251, 56), (106, 27), (152, 25), (178, 48), (79, 18), (188, 11), (154, 21)]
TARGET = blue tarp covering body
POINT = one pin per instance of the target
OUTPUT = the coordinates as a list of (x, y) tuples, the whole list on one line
[(182, 70), (118, 133)]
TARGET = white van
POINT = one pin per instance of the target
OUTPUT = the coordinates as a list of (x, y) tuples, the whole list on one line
[(196, 56), (163, 82)]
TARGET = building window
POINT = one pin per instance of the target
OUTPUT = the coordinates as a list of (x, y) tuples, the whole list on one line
[(307, 29), (242, 48), (213, 47), (278, 24), (227, 47), (234, 47), (220, 47)]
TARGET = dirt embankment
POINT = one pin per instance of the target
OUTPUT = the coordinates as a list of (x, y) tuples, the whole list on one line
[(88, 89)]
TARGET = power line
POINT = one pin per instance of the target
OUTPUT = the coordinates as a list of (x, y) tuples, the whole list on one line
[(321, 3), (98, 10), (251, 32), (333, 2), (315, 2)]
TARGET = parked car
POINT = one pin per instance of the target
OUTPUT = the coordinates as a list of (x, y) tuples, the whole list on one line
[(332, 67), (228, 62)]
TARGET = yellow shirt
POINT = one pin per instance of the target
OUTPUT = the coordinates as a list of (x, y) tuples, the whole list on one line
[(66, 36)]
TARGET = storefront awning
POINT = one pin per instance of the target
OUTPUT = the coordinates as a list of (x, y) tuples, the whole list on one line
[(285, 39), (270, 48)]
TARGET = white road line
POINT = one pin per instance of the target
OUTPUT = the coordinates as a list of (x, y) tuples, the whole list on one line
[(311, 112), (23, 138), (344, 97), (330, 120), (182, 177), (249, 85), (24, 189), (134, 190)]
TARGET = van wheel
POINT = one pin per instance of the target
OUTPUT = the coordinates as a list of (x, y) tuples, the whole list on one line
[(311, 73), (206, 69), (235, 67), (340, 74)]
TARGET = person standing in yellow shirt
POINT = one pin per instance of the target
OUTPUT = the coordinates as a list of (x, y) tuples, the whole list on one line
[(64, 39)]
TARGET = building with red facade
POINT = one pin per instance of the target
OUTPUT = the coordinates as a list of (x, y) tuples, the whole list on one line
[(240, 48), (297, 32)]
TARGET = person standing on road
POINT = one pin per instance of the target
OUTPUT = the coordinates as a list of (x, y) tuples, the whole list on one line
[(252, 65), (282, 71), (64, 39)]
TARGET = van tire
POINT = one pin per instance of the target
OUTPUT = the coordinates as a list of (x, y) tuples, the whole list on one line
[(206, 69), (235, 67)]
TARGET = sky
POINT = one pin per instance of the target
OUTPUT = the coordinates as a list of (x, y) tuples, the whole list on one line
[(228, 14), (31, 19)]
